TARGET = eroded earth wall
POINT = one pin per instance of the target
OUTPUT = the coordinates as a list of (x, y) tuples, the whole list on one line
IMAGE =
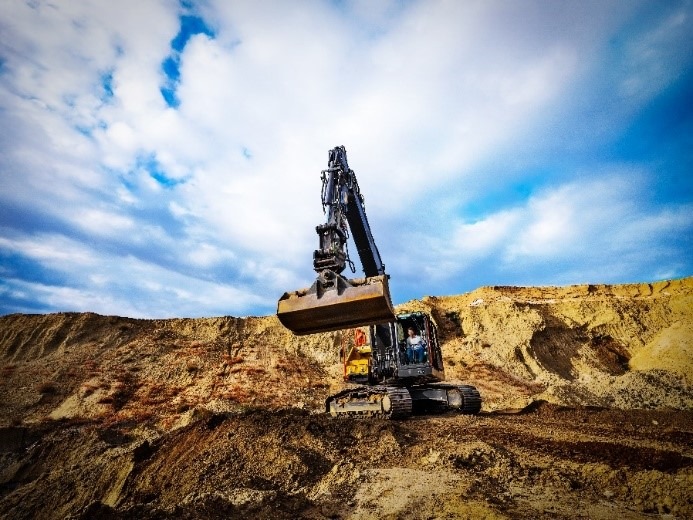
[(625, 346)]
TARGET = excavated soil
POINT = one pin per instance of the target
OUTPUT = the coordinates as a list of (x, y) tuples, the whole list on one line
[(588, 413)]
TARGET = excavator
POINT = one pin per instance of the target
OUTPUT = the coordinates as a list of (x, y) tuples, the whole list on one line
[(391, 376)]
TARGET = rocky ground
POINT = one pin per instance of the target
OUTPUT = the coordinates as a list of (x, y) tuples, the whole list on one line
[(588, 413)]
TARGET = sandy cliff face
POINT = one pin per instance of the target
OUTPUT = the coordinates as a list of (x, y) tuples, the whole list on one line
[(68, 365), (626, 346)]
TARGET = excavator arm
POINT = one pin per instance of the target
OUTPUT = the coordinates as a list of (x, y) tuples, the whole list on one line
[(341, 198), (334, 302)]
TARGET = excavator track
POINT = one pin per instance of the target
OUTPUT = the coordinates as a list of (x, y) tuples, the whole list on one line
[(439, 397), (471, 399), (387, 402), (391, 402)]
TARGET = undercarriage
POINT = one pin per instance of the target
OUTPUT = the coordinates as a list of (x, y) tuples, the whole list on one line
[(393, 402)]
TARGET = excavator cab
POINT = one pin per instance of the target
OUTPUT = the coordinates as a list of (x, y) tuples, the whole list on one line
[(378, 353), (390, 383)]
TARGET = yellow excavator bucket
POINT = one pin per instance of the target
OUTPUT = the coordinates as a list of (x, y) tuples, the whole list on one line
[(348, 304)]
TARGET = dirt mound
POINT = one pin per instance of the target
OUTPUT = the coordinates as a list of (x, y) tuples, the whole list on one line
[(68, 365), (587, 405), (625, 346), (549, 463)]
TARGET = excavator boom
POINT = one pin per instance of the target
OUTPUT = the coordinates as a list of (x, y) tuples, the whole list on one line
[(334, 302)]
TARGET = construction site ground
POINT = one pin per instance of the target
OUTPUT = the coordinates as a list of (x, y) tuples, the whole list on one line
[(550, 462), (588, 413)]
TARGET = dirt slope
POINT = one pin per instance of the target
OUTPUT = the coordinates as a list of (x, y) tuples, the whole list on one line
[(206, 418), (626, 346)]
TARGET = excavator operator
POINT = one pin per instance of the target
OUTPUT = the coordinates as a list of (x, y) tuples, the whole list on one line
[(415, 347)]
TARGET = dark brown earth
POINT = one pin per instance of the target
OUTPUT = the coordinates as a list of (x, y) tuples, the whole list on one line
[(588, 413), (551, 462)]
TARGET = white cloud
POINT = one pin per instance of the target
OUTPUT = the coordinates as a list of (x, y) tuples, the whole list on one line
[(479, 238), (597, 228), (110, 284), (52, 250), (205, 255), (101, 222), (657, 57), (220, 194)]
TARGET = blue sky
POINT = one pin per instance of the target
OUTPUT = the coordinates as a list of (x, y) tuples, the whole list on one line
[(163, 158)]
